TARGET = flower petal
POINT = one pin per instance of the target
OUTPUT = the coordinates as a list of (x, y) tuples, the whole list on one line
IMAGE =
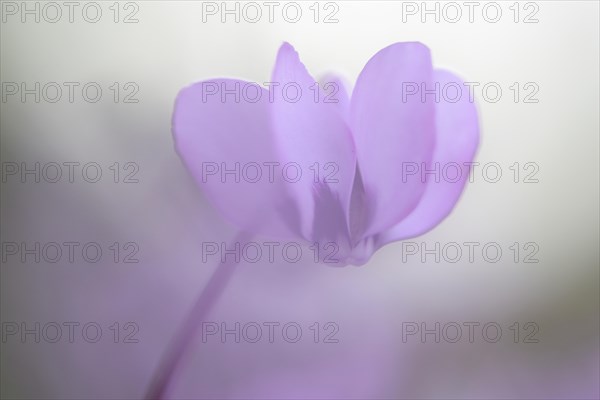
[(216, 131), (457, 137), (391, 127), (311, 131)]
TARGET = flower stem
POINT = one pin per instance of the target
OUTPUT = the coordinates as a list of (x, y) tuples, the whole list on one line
[(176, 350)]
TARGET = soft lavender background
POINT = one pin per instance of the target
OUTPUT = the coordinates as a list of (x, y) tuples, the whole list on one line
[(170, 47)]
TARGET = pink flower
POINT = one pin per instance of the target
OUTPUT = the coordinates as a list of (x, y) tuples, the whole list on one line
[(352, 154)]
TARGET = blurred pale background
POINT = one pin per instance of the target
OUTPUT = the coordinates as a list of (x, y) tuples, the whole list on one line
[(168, 218)]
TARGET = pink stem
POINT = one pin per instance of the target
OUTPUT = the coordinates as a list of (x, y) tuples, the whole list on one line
[(176, 350)]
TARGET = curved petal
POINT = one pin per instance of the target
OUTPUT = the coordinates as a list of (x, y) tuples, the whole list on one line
[(225, 139), (312, 133), (457, 138), (392, 127)]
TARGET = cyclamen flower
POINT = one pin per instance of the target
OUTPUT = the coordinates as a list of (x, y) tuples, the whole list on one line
[(368, 138)]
